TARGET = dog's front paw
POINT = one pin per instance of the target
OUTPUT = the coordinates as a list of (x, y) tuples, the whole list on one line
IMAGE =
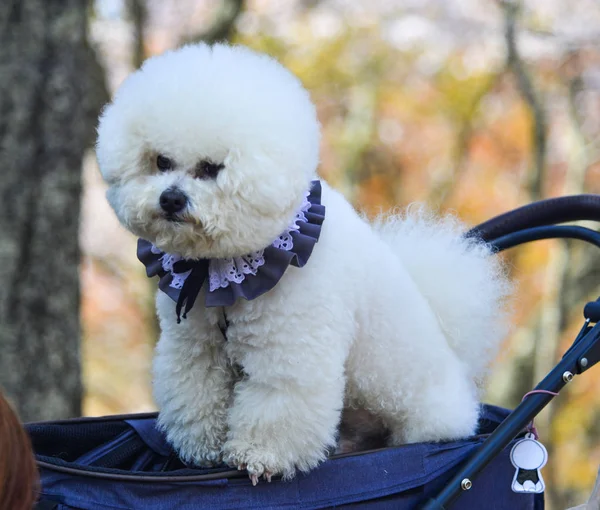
[(257, 461), (197, 445), (200, 455)]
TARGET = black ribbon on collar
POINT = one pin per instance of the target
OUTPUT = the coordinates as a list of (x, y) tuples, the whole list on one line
[(192, 285)]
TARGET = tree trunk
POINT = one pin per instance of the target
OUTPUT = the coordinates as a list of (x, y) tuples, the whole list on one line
[(50, 90)]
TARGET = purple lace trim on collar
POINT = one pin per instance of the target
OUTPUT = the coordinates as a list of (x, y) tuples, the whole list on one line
[(250, 276)]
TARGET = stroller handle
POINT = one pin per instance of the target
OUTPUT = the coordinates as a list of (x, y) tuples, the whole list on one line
[(529, 223), (545, 212)]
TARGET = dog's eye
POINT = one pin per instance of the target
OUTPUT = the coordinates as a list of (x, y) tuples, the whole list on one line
[(208, 170), (163, 163)]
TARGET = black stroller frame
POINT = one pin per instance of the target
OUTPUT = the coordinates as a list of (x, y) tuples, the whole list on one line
[(539, 220)]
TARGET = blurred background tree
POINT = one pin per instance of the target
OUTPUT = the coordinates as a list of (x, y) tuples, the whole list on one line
[(51, 89), (474, 107)]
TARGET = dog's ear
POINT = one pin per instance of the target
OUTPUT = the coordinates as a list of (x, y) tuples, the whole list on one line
[(228, 179), (233, 155)]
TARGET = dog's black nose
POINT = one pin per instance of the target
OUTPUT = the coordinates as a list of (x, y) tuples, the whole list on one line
[(172, 200)]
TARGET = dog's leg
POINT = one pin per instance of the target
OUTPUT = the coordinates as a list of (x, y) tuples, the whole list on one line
[(403, 369), (446, 407), (192, 387), (423, 399), (286, 410)]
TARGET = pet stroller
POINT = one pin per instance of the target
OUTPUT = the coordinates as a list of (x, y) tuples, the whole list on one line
[(122, 462)]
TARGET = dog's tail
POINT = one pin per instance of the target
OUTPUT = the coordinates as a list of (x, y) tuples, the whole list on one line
[(465, 284)]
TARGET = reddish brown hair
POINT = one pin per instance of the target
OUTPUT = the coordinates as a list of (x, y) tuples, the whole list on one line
[(18, 472)]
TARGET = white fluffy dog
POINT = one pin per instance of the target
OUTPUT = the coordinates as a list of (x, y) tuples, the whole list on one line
[(210, 154)]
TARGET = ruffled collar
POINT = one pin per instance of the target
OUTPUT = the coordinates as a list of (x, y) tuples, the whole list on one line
[(248, 276)]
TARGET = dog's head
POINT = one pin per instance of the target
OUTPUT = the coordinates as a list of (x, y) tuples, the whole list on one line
[(208, 151)]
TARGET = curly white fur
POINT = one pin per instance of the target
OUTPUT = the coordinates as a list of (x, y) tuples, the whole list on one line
[(400, 319)]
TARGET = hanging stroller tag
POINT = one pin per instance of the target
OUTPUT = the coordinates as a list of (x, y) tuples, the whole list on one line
[(528, 456)]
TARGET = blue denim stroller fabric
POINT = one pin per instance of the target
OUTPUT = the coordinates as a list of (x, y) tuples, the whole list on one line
[(83, 462)]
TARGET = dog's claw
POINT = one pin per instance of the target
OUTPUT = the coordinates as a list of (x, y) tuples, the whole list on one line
[(241, 467), (267, 476), (254, 479)]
